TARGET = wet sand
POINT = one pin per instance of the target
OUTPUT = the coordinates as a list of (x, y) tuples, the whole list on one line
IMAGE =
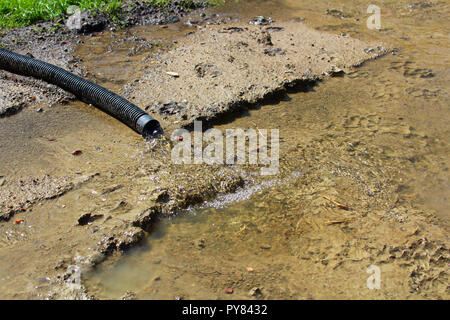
[(374, 140)]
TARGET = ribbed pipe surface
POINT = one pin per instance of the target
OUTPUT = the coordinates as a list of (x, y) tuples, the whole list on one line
[(83, 89)]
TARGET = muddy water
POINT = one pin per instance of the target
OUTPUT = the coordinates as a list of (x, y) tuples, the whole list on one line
[(375, 141), (34, 143)]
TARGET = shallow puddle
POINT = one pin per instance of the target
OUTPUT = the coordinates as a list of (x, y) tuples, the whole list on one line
[(375, 140)]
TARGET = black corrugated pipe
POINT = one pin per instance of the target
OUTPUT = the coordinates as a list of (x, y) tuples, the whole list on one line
[(85, 90)]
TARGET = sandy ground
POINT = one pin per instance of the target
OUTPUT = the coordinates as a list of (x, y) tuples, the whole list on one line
[(53, 42), (19, 92), (229, 82), (224, 68), (76, 219)]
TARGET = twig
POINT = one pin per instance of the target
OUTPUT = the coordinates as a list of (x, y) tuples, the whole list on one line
[(339, 221), (258, 130), (339, 205)]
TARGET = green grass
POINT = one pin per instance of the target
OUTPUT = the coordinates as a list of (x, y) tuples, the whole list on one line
[(15, 13)]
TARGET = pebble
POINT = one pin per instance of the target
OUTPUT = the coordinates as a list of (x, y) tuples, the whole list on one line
[(173, 74), (254, 292), (77, 152)]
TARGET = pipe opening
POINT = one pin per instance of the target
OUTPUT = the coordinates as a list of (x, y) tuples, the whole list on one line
[(152, 129)]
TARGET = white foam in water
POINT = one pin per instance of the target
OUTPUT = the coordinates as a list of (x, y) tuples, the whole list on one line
[(241, 194)]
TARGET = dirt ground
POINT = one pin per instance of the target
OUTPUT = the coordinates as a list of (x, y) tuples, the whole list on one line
[(73, 211), (260, 62), (54, 43)]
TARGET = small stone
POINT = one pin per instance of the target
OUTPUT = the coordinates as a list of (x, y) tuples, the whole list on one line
[(200, 243), (129, 295), (255, 292), (274, 52), (111, 188), (229, 290), (261, 20), (173, 74), (336, 72), (265, 39), (77, 152)]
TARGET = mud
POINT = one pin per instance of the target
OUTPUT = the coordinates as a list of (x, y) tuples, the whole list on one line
[(365, 141), (137, 13), (40, 42), (196, 80), (54, 42), (120, 185), (18, 196), (374, 140)]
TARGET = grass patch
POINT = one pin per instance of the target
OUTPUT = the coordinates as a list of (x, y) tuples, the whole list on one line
[(184, 3), (15, 13)]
